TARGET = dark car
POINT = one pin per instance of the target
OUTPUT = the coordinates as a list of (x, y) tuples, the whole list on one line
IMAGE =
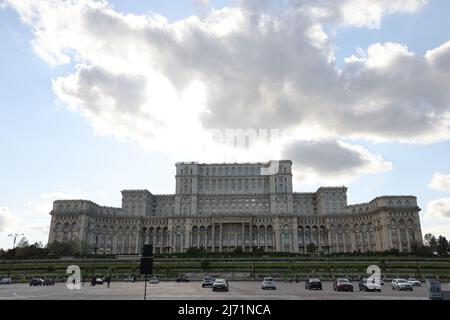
[(36, 282), (181, 279), (342, 284), (313, 283), (49, 282), (220, 285)]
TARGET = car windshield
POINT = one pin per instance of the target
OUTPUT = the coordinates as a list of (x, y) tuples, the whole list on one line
[(268, 279), (314, 280), (343, 280), (402, 281), (220, 281)]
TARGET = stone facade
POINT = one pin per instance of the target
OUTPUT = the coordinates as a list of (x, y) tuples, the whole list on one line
[(219, 207)]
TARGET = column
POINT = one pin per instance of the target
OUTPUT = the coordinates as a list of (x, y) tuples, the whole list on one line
[(400, 247), (353, 237), (171, 241), (362, 242), (407, 239), (138, 242), (265, 238), (213, 240), (295, 236), (220, 237), (243, 237), (277, 237), (251, 236), (114, 244), (187, 238)]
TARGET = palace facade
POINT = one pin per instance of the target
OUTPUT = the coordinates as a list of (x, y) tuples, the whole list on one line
[(221, 207)]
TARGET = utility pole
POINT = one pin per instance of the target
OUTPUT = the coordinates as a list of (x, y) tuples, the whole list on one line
[(12, 251)]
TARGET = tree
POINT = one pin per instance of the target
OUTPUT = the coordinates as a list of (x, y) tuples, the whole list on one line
[(68, 248), (23, 243), (204, 265), (431, 242), (442, 246), (238, 250), (311, 248), (192, 250), (419, 249)]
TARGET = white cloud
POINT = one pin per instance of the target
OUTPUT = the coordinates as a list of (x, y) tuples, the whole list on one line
[(440, 182), (443, 230), (359, 13), (8, 222), (166, 84), (439, 208), (200, 2)]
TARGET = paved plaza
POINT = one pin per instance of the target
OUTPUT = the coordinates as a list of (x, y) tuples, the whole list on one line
[(239, 290)]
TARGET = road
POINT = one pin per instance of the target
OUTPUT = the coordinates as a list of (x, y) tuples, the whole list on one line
[(239, 290)]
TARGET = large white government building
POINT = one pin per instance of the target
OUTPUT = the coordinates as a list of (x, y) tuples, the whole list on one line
[(221, 207)]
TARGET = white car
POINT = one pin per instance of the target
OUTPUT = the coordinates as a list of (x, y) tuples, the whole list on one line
[(401, 284), (268, 283), (5, 281), (414, 282), (154, 280), (369, 285)]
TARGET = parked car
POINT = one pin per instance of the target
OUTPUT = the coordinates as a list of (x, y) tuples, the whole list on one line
[(181, 279), (220, 285), (313, 283), (207, 282), (99, 281), (154, 280), (49, 282), (401, 284), (414, 282), (130, 279), (366, 285), (5, 281), (343, 284), (268, 283), (36, 282)]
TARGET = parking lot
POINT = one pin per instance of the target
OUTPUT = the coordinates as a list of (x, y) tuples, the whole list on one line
[(239, 290)]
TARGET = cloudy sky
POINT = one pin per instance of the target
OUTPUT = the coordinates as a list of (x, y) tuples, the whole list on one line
[(101, 96)]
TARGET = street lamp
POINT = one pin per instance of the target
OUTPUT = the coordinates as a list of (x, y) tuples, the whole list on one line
[(15, 235)]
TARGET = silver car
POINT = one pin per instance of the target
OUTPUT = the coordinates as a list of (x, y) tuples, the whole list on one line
[(5, 281), (401, 284), (154, 280), (268, 283), (414, 282), (207, 282)]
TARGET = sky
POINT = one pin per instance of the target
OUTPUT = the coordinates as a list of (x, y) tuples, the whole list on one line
[(101, 96)]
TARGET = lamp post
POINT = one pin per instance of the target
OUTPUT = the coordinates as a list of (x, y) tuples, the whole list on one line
[(15, 235)]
